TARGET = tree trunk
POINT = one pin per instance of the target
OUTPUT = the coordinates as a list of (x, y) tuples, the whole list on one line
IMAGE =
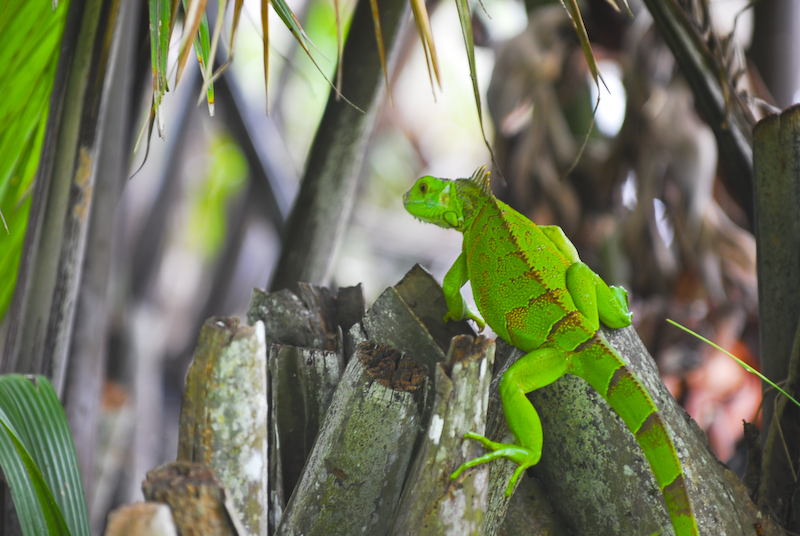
[(327, 193), (777, 160)]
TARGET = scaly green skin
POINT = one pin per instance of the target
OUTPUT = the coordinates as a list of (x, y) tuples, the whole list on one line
[(535, 293)]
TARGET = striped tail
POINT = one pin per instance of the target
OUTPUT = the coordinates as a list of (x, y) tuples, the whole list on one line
[(601, 366)]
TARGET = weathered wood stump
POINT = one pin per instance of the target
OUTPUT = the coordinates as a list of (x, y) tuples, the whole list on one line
[(366, 416), (223, 421), (199, 503)]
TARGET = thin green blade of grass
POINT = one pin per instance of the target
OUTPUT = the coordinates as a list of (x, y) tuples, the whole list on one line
[(203, 37), (615, 5), (160, 27), (153, 8), (237, 12), (741, 363), (165, 23), (291, 22), (427, 55), (208, 78), (337, 9), (173, 16)]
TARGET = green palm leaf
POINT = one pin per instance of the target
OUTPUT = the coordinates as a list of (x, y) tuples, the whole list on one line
[(31, 36), (38, 458)]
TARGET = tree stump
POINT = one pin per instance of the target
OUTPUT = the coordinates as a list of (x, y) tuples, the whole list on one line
[(367, 413)]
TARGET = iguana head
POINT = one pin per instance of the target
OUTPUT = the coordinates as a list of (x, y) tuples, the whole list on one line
[(444, 202), (435, 201)]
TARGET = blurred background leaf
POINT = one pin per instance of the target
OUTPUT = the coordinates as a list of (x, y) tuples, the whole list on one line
[(31, 35)]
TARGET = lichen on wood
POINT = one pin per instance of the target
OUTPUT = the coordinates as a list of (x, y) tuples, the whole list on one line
[(224, 414), (197, 499), (777, 190), (352, 480), (431, 502), (305, 363)]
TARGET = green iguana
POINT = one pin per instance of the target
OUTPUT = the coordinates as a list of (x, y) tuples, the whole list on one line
[(535, 293)]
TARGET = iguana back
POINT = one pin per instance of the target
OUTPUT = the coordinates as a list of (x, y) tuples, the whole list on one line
[(519, 280)]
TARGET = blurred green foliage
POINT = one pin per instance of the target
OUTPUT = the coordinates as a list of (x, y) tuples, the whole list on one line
[(31, 36), (208, 202)]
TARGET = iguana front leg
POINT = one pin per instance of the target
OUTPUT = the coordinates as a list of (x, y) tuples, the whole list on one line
[(535, 369), (457, 308)]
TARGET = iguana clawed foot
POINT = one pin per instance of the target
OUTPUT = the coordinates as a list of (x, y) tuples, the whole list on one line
[(522, 456)]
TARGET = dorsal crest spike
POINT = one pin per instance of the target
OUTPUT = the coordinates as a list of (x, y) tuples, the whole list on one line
[(480, 177)]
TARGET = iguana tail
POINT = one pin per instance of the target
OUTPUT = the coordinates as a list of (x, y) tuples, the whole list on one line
[(601, 366)]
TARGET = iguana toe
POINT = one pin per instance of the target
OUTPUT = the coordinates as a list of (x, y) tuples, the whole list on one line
[(522, 456)]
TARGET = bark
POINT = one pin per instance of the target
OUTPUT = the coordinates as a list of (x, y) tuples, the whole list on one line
[(354, 475), (85, 374), (777, 159), (293, 321), (431, 502)]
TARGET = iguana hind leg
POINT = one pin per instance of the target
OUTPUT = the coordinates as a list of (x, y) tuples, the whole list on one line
[(595, 299), (535, 369)]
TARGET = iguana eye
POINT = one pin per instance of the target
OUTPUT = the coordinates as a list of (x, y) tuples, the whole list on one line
[(423, 188)]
